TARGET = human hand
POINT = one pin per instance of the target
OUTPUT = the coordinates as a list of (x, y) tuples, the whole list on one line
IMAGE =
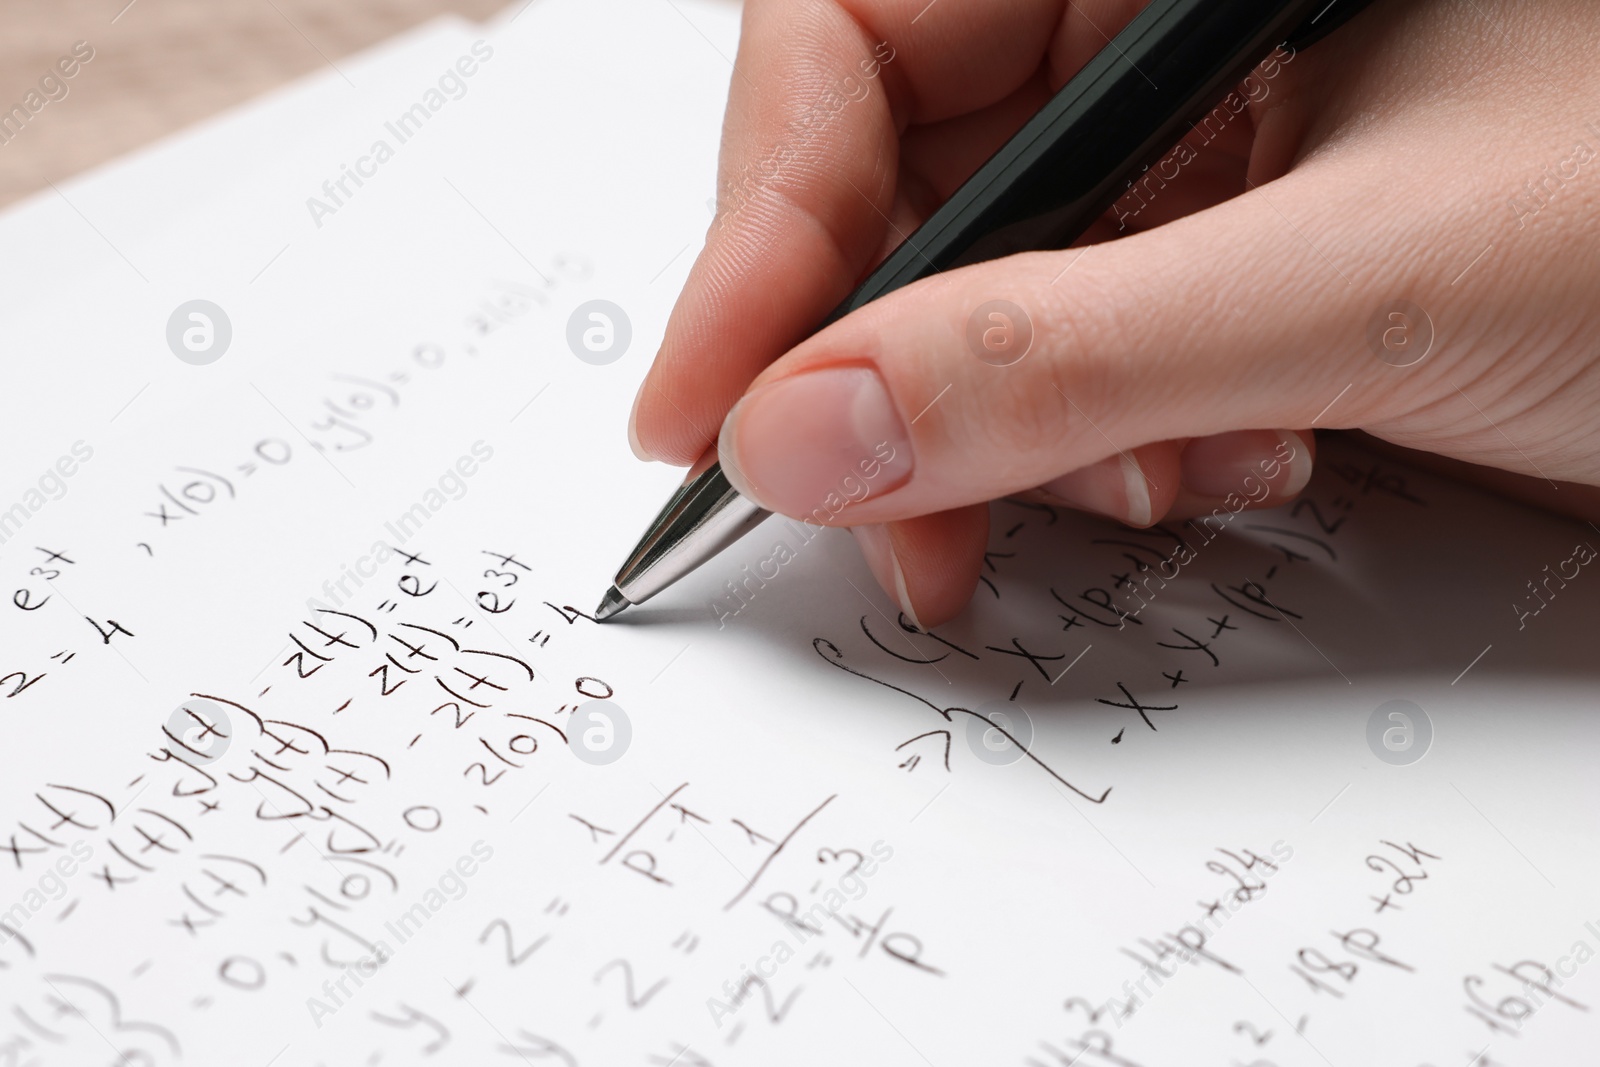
[(1435, 160)]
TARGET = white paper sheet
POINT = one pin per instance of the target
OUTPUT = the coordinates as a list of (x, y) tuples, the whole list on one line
[(808, 847)]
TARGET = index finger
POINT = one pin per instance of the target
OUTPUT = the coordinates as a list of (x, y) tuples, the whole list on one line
[(808, 175)]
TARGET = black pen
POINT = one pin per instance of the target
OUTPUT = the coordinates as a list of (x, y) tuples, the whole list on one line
[(1065, 168)]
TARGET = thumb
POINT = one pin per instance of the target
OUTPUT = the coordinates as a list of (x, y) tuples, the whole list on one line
[(1003, 376)]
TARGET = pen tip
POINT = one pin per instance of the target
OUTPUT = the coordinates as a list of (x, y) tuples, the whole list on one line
[(610, 605)]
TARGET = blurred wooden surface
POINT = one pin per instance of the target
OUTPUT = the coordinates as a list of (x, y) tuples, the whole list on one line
[(164, 64)]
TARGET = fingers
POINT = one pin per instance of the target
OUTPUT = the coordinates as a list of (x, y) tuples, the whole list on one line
[(1182, 479), (929, 566), (1176, 333), (808, 175), (1263, 468), (1137, 487)]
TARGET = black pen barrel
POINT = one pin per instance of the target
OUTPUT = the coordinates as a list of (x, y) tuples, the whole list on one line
[(1174, 63)]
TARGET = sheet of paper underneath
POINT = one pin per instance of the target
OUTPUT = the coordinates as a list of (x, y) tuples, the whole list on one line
[(1128, 810)]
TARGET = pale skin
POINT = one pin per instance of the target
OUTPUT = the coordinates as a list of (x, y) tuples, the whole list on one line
[(1182, 355)]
